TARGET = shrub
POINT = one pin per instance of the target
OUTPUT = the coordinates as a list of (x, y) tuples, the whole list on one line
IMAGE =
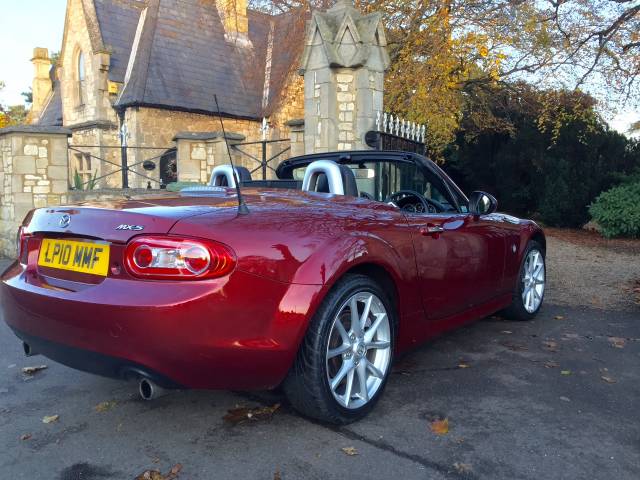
[(617, 211)]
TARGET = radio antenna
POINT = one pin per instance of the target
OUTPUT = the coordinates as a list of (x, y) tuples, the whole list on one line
[(242, 207)]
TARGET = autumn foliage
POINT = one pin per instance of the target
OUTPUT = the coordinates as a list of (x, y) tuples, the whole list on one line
[(447, 54)]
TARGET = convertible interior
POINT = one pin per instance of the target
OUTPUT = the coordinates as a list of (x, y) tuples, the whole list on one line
[(403, 183)]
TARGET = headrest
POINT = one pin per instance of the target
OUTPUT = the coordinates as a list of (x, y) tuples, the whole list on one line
[(329, 177), (222, 176)]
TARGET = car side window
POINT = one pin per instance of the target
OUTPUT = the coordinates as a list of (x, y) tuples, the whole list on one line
[(462, 202)]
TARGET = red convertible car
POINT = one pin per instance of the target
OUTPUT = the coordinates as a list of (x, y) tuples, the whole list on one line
[(344, 261)]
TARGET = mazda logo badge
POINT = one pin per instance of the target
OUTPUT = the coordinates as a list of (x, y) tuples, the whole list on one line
[(65, 220)]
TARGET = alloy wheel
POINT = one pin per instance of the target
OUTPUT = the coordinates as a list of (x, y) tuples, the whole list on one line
[(533, 279), (359, 350)]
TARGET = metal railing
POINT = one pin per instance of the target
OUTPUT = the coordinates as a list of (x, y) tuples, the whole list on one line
[(123, 167), (263, 161), (395, 133)]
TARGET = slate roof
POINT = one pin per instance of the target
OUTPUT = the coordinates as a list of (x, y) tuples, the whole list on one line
[(288, 44), (183, 59), (51, 115), (118, 22)]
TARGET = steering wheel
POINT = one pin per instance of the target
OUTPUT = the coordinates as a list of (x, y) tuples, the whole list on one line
[(400, 198), (366, 195)]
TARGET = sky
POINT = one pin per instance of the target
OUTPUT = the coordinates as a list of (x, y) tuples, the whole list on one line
[(26, 24)]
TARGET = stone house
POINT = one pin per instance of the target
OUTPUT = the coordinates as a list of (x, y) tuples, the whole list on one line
[(149, 69), (153, 69)]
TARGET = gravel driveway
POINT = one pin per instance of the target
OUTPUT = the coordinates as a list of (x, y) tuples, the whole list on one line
[(585, 270), (554, 398)]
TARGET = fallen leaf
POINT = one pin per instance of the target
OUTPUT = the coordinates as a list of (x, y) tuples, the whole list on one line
[(351, 451), (33, 370), (559, 317), (50, 418), (277, 476), (462, 467), (157, 475), (105, 406), (244, 414), (565, 399), (617, 342), (150, 475), (608, 379), (550, 345), (440, 427), (565, 372), (551, 364), (26, 436)]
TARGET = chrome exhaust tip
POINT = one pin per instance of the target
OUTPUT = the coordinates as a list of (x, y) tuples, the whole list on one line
[(149, 390), (28, 351)]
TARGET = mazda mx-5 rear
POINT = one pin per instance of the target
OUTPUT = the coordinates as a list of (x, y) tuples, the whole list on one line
[(115, 292)]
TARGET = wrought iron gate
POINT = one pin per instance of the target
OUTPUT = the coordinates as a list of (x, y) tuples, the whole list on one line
[(264, 160), (123, 167), (394, 133)]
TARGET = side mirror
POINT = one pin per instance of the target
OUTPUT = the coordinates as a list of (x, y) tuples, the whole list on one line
[(481, 203)]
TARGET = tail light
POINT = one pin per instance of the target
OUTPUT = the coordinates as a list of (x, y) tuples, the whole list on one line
[(157, 257), (21, 245)]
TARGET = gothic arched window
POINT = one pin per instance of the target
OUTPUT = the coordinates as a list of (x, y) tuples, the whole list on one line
[(81, 78)]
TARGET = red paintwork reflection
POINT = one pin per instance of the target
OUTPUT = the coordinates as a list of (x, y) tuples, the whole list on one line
[(243, 330)]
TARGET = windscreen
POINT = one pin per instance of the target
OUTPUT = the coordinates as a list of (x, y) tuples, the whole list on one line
[(378, 180)]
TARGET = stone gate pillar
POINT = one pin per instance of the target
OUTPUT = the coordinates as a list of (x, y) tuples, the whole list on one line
[(343, 64), (34, 173)]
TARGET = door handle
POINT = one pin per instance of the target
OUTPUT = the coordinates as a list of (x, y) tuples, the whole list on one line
[(431, 230)]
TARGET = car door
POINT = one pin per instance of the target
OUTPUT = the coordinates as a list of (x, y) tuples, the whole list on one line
[(459, 257)]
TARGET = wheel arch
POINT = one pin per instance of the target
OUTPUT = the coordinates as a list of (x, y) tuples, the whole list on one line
[(380, 275), (538, 236)]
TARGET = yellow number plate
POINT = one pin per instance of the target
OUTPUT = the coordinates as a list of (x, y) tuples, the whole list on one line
[(76, 256)]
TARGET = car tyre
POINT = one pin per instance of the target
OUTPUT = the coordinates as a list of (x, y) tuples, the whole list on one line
[(530, 284), (344, 361)]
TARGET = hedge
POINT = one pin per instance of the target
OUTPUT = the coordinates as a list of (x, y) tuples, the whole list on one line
[(617, 211)]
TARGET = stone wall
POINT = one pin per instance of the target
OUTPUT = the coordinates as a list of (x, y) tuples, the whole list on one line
[(94, 104), (33, 174), (100, 142), (296, 129), (199, 153), (153, 127), (289, 106)]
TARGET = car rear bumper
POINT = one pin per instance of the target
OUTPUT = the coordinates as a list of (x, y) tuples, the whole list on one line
[(92, 362), (238, 332)]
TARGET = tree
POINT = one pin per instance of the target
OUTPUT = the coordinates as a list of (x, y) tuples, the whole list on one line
[(28, 96), (13, 115), (552, 163), (445, 51)]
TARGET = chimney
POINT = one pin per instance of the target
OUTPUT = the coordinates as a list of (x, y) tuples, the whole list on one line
[(233, 14), (42, 84)]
